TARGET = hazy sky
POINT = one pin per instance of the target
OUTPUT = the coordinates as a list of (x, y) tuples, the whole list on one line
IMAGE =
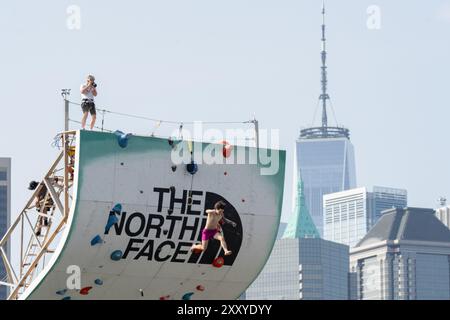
[(227, 60)]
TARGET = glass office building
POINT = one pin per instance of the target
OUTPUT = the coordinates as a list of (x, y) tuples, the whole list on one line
[(301, 265), (303, 269), (348, 215), (325, 165), (405, 256), (5, 207)]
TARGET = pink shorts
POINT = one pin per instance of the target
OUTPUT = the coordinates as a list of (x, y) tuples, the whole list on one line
[(208, 234)]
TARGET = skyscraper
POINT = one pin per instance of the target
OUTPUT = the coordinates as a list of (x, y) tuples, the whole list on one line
[(405, 256), (348, 215), (303, 266), (325, 158), (5, 215)]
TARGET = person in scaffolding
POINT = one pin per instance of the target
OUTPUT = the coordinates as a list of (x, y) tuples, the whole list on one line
[(88, 92), (213, 229), (43, 204)]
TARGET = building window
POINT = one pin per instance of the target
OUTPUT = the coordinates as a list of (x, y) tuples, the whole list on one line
[(3, 176)]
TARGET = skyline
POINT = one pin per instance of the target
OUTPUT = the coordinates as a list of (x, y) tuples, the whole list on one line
[(192, 63)]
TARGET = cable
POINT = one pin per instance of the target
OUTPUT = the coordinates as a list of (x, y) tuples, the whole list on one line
[(75, 121), (166, 121), (315, 113), (334, 115)]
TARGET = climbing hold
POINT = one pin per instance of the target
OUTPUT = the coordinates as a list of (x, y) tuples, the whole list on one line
[(142, 191), (61, 292), (218, 262), (164, 297), (189, 200), (226, 149), (225, 173), (169, 211), (200, 288), (170, 141), (174, 168), (100, 267), (192, 167), (165, 232), (203, 273), (98, 282), (122, 138), (85, 291), (117, 208), (187, 296), (121, 163), (243, 200), (66, 298), (142, 292), (116, 255), (112, 220), (95, 240)]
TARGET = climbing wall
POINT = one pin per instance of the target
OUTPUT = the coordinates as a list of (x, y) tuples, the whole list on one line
[(135, 216)]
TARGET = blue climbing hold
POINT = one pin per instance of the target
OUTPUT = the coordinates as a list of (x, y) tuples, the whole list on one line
[(117, 208), (187, 296), (95, 240), (61, 292), (116, 255), (122, 138), (98, 282), (66, 298), (112, 220), (192, 167)]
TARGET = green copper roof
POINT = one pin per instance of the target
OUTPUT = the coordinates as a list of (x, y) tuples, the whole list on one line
[(300, 224)]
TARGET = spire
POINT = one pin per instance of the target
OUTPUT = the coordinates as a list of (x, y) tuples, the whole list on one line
[(300, 224), (324, 95)]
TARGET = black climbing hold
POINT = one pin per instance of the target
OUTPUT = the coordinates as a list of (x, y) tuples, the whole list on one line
[(141, 191), (169, 211), (121, 163), (170, 141), (165, 232), (192, 167), (174, 168), (190, 200)]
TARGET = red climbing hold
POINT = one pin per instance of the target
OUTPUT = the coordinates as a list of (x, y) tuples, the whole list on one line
[(164, 298), (218, 262), (85, 291), (200, 288), (226, 150)]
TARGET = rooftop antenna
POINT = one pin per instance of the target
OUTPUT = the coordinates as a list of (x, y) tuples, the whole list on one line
[(324, 95)]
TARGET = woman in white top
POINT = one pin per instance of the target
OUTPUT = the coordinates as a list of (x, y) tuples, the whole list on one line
[(88, 92)]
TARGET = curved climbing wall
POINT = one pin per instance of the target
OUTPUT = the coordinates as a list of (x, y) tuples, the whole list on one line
[(135, 216)]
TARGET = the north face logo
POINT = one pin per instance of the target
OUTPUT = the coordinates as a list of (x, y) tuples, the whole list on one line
[(175, 223)]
